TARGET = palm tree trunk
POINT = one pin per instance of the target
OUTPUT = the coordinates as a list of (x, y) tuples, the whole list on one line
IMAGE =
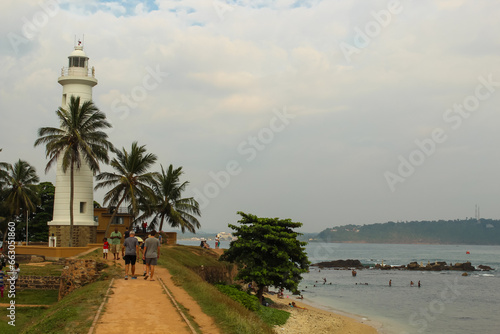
[(161, 223), (71, 200), (260, 292), (114, 214), (4, 248), (27, 213)]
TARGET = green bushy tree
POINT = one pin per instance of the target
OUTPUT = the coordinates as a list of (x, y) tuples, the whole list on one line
[(267, 252)]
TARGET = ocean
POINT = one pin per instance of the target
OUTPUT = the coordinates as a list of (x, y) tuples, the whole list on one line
[(446, 302)]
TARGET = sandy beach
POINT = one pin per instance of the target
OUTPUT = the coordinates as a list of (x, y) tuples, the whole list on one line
[(317, 321)]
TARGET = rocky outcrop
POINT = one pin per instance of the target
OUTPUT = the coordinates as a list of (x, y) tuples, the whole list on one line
[(339, 264), (436, 266), (485, 268), (439, 266), (467, 266)]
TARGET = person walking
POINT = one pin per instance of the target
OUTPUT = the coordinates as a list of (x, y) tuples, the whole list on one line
[(144, 227), (115, 237), (126, 234), (144, 267), (151, 254), (130, 249)]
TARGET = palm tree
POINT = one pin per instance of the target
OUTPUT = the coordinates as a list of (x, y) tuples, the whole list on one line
[(79, 140), (131, 180), (20, 189), (169, 204)]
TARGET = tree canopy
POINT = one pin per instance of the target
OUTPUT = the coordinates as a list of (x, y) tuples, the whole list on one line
[(39, 230), (267, 252), (79, 140), (169, 205), (131, 180), (20, 187), (18, 190)]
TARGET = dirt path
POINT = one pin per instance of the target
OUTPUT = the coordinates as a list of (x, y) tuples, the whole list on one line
[(206, 323), (138, 305)]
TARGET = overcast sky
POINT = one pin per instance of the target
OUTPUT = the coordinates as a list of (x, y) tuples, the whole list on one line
[(325, 112)]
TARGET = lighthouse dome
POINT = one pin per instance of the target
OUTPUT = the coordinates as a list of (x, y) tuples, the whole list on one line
[(78, 52), (78, 58)]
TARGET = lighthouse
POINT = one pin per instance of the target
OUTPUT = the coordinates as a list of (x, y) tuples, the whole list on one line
[(77, 80)]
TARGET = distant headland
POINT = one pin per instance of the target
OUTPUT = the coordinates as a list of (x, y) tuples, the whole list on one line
[(453, 232)]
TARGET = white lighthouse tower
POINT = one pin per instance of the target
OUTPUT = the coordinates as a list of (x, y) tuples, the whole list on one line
[(77, 79)]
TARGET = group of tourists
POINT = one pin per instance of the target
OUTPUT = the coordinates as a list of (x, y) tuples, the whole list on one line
[(204, 243), (131, 249)]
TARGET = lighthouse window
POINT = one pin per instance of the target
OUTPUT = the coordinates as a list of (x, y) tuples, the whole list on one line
[(76, 62), (82, 207)]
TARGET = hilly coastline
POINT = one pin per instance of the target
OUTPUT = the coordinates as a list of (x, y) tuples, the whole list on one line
[(467, 231)]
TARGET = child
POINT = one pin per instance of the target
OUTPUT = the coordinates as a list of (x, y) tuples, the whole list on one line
[(105, 249), (1, 280)]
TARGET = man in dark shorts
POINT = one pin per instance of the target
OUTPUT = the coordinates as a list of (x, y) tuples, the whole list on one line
[(130, 249), (151, 254)]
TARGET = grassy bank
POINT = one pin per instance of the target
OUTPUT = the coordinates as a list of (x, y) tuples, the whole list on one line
[(74, 313), (230, 316), (26, 314), (47, 269), (24, 317)]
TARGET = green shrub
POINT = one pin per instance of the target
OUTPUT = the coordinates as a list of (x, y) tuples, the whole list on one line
[(269, 315), (273, 316), (251, 302)]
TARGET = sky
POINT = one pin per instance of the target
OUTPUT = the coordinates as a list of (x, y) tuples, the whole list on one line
[(324, 112)]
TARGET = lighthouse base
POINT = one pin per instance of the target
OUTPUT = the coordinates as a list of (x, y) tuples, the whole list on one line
[(82, 235)]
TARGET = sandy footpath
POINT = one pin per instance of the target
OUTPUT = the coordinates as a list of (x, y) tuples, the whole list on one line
[(139, 305), (136, 306)]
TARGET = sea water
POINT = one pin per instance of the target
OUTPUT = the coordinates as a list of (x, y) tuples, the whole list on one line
[(446, 302)]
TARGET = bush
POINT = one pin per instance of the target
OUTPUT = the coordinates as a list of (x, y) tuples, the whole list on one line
[(273, 316), (249, 301), (269, 315)]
